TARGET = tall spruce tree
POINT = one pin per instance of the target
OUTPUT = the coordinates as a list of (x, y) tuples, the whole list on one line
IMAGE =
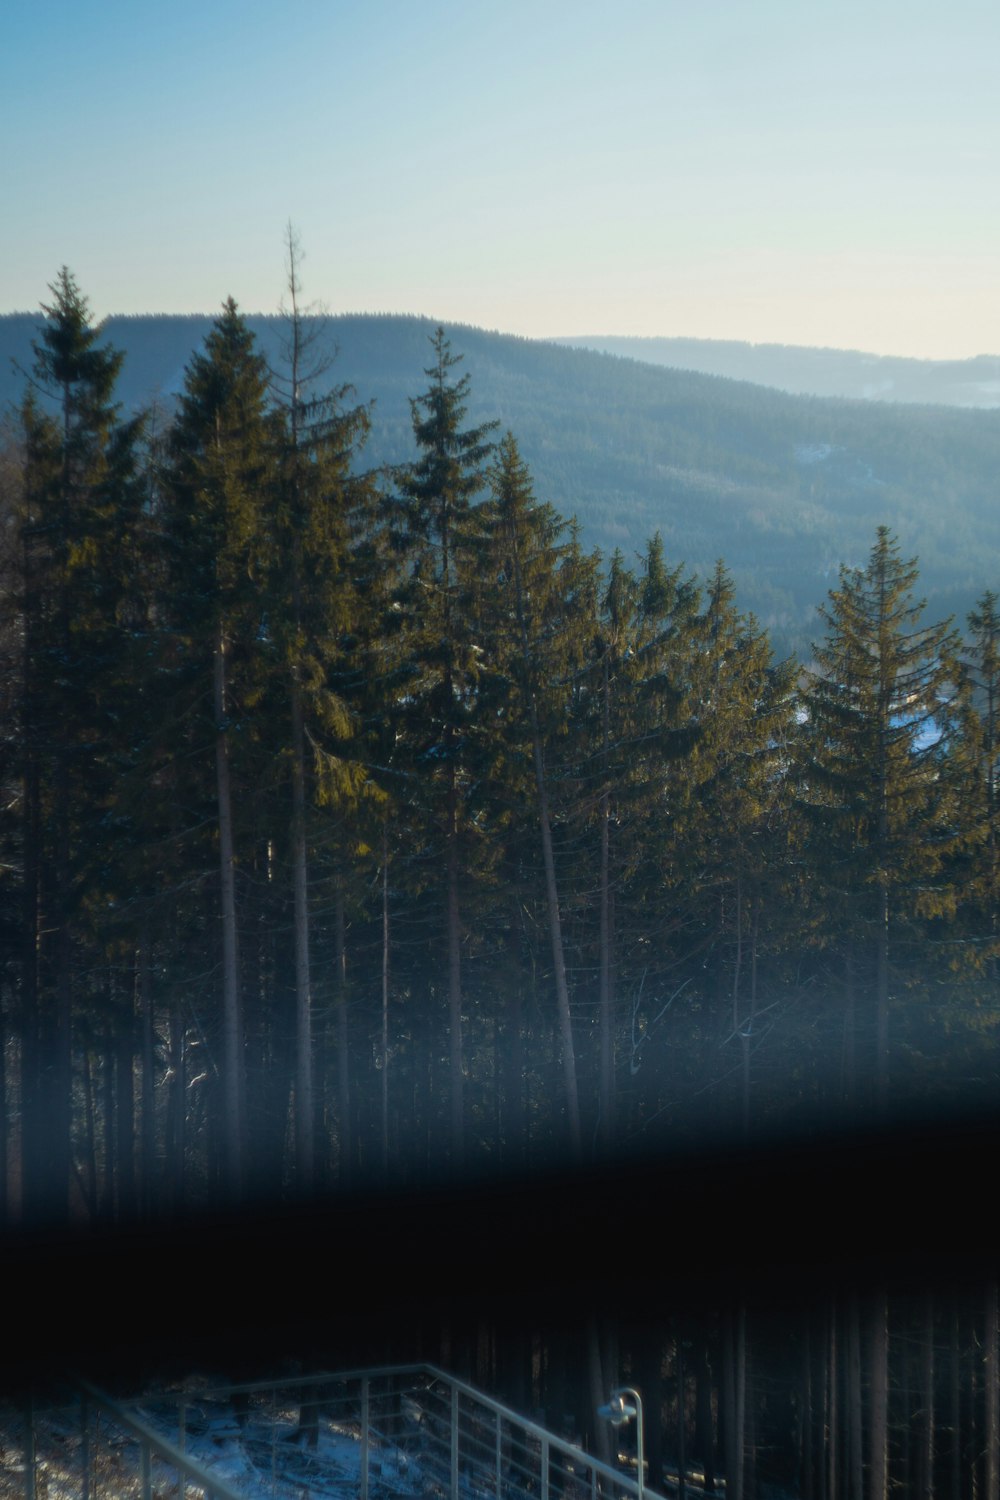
[(534, 641), (881, 816), (438, 495), (317, 509), (223, 448), (79, 505)]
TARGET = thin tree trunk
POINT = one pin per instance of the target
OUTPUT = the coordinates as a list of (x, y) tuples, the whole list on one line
[(232, 1018), (605, 999), (855, 1449), (806, 1465), (516, 1143), (551, 888), (176, 1118), (31, 1028), (878, 1348), (107, 1204), (4, 1129), (991, 1387), (833, 1412), (454, 924), (150, 1185), (304, 1101), (850, 1027), (681, 1420), (385, 999), (955, 1393), (558, 959), (90, 1178), (345, 1136), (125, 1111), (927, 1424), (734, 1399)]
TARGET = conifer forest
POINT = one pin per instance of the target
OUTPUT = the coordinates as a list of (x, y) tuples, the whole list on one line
[(364, 831)]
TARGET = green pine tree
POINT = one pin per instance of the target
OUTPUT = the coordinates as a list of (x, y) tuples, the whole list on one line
[(223, 447), (882, 817), (434, 530), (81, 599)]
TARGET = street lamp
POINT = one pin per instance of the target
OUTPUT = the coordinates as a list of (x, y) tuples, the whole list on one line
[(617, 1412)]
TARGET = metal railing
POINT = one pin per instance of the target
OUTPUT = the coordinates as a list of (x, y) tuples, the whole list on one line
[(418, 1431), (97, 1449), (409, 1432)]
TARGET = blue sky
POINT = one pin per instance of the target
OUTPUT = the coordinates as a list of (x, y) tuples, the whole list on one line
[(764, 170)]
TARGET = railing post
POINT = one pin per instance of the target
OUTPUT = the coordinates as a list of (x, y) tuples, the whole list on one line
[(181, 1437), (274, 1440), (85, 1448), (499, 1460), (454, 1442), (545, 1468), (364, 1437), (29, 1450), (145, 1472)]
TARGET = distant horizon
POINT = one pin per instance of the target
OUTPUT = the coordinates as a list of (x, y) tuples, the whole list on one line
[(563, 338)]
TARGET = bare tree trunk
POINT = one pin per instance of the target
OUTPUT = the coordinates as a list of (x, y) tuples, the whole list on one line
[(806, 1465), (833, 1413), (850, 1027), (606, 939), (855, 1447), (232, 1017), (149, 1184), (107, 1202), (882, 982), (125, 1112), (385, 999), (991, 1385), (514, 1049), (4, 1130), (681, 1419), (58, 1105), (31, 1028), (558, 959), (955, 1393), (734, 1399), (551, 888), (454, 924), (90, 1178), (878, 1350), (176, 1116), (346, 1153), (927, 1423), (304, 1103)]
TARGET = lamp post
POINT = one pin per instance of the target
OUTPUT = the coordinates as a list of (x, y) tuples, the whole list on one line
[(619, 1411)]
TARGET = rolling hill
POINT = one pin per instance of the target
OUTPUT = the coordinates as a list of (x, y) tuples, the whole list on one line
[(783, 487)]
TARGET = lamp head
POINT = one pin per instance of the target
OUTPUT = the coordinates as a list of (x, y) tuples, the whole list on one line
[(618, 1410)]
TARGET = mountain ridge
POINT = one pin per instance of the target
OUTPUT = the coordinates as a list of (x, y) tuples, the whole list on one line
[(784, 487)]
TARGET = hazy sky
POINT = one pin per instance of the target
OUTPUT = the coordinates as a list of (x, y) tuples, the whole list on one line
[(773, 170)]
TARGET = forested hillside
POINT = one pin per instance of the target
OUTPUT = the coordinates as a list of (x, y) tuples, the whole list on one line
[(846, 373), (369, 825), (784, 488)]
